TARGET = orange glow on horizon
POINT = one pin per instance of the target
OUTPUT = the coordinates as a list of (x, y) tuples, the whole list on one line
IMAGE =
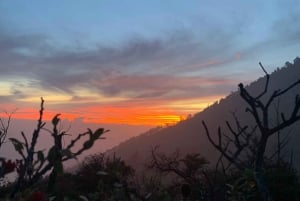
[(149, 115), (132, 116), (121, 118)]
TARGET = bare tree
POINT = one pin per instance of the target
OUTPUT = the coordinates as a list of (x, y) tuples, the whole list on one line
[(192, 169), (189, 168), (4, 126), (259, 108)]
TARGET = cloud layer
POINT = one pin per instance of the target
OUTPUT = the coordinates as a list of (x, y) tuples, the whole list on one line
[(203, 58)]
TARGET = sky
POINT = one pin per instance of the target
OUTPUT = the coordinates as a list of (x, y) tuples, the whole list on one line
[(133, 62)]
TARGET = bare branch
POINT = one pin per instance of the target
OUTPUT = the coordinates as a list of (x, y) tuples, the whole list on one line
[(73, 142), (232, 158), (4, 127), (267, 82)]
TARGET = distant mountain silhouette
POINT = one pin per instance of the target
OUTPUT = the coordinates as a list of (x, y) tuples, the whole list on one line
[(188, 135)]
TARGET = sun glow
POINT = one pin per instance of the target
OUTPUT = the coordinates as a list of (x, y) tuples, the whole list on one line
[(132, 113), (194, 105)]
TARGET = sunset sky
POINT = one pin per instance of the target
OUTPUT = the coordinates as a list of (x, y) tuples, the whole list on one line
[(137, 62)]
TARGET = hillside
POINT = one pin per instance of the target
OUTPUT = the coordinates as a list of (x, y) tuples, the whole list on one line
[(188, 135)]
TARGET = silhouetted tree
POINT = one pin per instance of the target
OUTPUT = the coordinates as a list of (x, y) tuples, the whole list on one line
[(190, 169), (259, 108), (4, 126), (34, 164)]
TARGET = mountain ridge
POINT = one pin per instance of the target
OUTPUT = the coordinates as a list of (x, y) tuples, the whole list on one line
[(188, 136)]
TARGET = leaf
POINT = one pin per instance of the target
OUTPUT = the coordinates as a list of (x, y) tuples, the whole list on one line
[(68, 153), (83, 198), (52, 154), (51, 198), (102, 173), (55, 119), (148, 196), (40, 156), (88, 144), (17, 144), (98, 133)]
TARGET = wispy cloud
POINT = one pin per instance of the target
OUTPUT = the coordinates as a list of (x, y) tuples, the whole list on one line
[(36, 59), (179, 66)]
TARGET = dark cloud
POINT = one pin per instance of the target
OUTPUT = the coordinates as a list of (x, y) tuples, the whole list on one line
[(163, 86), (141, 67), (210, 41), (35, 58), (6, 99), (180, 48)]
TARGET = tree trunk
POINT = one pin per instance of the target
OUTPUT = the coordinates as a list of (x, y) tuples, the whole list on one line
[(258, 169)]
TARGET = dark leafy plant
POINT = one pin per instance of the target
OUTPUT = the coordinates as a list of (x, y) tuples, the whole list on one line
[(282, 180), (34, 164), (105, 177)]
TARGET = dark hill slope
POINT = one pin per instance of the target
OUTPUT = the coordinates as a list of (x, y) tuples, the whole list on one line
[(188, 136)]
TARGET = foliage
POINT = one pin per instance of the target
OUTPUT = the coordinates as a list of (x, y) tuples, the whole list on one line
[(7, 166), (283, 181), (34, 164), (104, 175), (190, 169), (242, 186)]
